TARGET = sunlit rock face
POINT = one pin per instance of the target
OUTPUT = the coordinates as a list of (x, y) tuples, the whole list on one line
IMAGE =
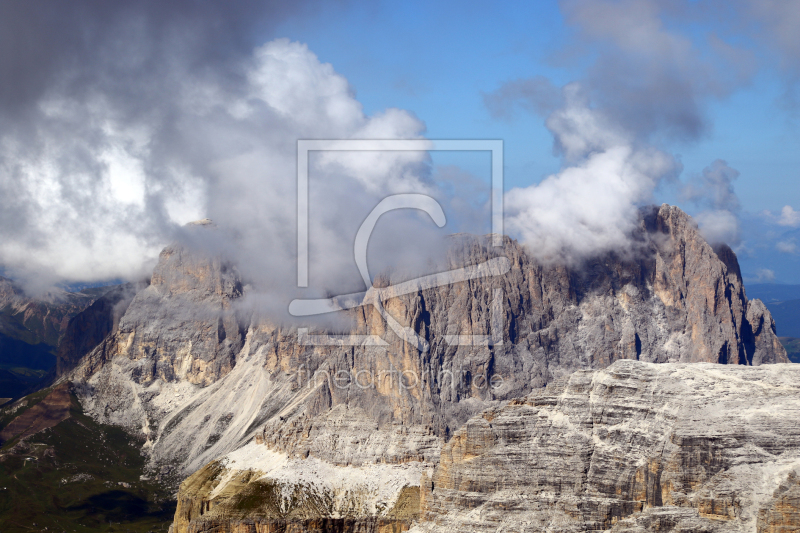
[(198, 380), (90, 328), (632, 448), (268, 491), (636, 447)]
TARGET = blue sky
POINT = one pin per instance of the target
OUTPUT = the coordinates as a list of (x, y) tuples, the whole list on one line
[(438, 60)]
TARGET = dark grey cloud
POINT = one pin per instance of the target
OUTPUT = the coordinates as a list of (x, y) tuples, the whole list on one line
[(127, 50), (125, 120), (713, 188), (654, 70), (771, 25), (537, 95), (656, 81), (712, 192)]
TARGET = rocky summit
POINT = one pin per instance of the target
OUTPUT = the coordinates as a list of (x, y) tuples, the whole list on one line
[(293, 428)]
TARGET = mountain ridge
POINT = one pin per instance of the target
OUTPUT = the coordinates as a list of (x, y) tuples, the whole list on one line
[(183, 367)]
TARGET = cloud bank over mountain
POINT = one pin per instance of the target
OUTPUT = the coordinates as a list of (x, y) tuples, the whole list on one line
[(649, 83), (127, 121)]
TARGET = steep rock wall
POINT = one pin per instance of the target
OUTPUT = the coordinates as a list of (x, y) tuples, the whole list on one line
[(636, 447), (199, 381), (690, 447)]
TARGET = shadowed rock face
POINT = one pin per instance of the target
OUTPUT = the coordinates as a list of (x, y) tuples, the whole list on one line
[(198, 382), (37, 320), (88, 329), (636, 447)]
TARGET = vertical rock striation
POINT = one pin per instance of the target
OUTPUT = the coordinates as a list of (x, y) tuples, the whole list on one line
[(634, 447), (89, 328), (198, 381)]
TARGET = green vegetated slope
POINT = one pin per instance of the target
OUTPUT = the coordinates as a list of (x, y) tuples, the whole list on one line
[(75, 476), (15, 380), (792, 346)]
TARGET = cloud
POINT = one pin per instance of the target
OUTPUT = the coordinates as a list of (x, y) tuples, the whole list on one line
[(591, 206), (252, 184), (714, 187), (787, 247), (95, 169), (719, 226), (657, 64), (775, 22), (537, 95), (789, 217), (713, 191), (764, 275), (129, 51), (648, 82), (655, 81), (137, 118)]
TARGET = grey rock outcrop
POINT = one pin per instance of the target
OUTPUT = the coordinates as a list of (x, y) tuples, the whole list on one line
[(635, 447), (181, 326), (673, 298), (88, 329), (198, 381)]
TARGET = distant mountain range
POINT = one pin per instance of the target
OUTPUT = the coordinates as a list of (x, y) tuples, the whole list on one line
[(773, 292), (30, 330)]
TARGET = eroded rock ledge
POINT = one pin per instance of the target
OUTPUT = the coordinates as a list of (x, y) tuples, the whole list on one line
[(635, 447), (258, 490)]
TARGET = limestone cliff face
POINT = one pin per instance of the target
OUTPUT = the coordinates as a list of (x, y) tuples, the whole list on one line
[(673, 298), (89, 328), (636, 447), (199, 382), (180, 327)]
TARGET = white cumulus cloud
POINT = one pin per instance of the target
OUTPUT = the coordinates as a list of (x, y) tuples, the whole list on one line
[(789, 217)]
